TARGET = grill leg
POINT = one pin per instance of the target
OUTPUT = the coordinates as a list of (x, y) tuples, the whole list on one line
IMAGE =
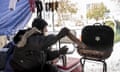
[(104, 66), (82, 61)]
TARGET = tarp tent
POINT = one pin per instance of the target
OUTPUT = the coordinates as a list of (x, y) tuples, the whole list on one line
[(11, 21)]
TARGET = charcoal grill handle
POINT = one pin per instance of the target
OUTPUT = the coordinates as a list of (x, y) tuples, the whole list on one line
[(97, 24)]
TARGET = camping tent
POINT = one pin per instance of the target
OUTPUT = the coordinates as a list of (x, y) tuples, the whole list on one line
[(13, 20)]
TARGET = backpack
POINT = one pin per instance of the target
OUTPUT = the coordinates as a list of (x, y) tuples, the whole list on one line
[(26, 58)]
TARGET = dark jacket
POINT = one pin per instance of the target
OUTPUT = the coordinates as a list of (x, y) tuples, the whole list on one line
[(42, 42)]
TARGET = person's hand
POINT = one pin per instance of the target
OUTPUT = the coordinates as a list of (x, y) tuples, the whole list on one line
[(64, 31), (63, 50)]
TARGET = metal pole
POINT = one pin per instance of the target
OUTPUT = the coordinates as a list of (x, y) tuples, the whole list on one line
[(53, 16), (53, 21)]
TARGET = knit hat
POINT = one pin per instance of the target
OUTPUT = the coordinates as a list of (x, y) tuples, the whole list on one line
[(39, 23), (18, 36)]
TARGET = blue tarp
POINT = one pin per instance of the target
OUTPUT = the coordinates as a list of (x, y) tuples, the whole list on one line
[(11, 21)]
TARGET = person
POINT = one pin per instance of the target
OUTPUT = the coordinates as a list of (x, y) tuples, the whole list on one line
[(36, 39), (11, 45), (41, 42), (39, 6)]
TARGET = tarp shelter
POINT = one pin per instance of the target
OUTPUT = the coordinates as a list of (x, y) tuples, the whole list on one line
[(11, 21)]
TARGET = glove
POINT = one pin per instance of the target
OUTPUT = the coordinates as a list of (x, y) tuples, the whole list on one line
[(63, 32), (63, 50)]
